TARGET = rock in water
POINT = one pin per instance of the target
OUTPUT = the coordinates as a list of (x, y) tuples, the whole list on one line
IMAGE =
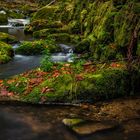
[(72, 122), (84, 127)]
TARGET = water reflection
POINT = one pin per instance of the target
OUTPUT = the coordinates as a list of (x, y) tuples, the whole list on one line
[(45, 123)]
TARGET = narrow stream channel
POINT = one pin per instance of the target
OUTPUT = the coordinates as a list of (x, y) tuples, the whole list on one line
[(28, 122), (22, 63)]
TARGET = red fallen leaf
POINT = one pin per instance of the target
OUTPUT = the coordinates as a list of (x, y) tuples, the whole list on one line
[(10, 81), (35, 81), (63, 68), (4, 91), (56, 74), (17, 85), (41, 73), (87, 63), (114, 65), (10, 94), (1, 82), (66, 65), (79, 77), (43, 99), (85, 106), (47, 89), (66, 72)]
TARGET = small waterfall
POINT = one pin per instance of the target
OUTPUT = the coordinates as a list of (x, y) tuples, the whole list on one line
[(65, 56)]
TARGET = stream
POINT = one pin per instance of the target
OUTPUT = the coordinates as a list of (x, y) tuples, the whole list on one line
[(28, 122), (22, 63)]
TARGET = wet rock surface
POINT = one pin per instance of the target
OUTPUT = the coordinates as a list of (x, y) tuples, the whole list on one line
[(87, 127)]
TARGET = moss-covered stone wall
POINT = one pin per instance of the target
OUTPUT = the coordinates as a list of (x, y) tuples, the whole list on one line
[(107, 25)]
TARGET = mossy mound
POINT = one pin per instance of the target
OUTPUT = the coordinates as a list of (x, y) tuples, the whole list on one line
[(107, 25), (7, 38), (42, 24), (14, 14), (48, 31), (47, 12), (37, 47), (79, 82), (3, 19), (6, 52)]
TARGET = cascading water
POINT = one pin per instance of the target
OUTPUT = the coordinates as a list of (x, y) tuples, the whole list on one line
[(65, 56), (22, 63)]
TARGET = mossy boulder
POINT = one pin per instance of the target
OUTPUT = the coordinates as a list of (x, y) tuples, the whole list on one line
[(47, 12), (48, 31), (14, 14), (61, 37), (7, 38), (102, 23), (6, 52), (3, 19), (43, 24), (37, 47), (87, 127), (82, 46), (78, 82), (108, 84)]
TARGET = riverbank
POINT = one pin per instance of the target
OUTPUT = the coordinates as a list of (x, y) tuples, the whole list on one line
[(77, 82)]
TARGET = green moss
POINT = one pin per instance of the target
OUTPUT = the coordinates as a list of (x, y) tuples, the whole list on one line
[(100, 22), (61, 37), (7, 38), (37, 47), (72, 122), (47, 32), (123, 26), (47, 12), (43, 24), (6, 52), (83, 46), (103, 85), (138, 50), (3, 19), (13, 14)]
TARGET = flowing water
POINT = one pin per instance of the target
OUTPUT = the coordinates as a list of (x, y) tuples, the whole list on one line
[(22, 63), (38, 122)]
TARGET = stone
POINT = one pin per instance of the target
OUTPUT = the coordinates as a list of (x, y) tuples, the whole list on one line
[(90, 128), (72, 122), (87, 127)]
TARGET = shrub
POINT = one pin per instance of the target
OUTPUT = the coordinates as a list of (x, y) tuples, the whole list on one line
[(46, 63)]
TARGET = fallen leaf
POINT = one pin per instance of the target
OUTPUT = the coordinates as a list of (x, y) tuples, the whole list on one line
[(79, 77)]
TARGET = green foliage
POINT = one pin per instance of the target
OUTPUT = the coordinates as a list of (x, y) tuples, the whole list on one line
[(33, 97), (31, 48), (46, 63), (100, 22), (13, 14), (6, 52), (17, 86)]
